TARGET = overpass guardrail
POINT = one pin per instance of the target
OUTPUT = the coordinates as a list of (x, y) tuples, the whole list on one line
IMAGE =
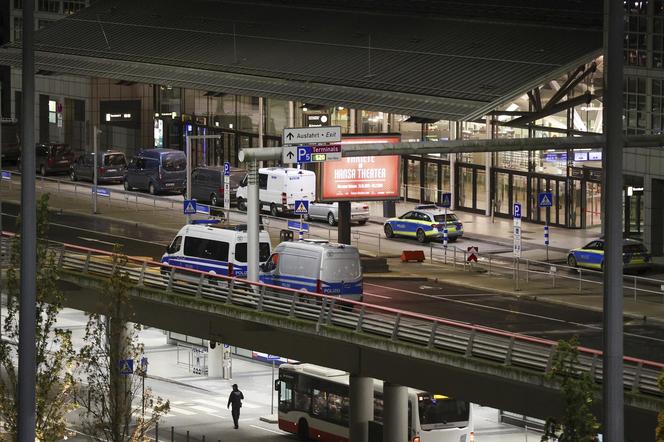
[(421, 331), (523, 271)]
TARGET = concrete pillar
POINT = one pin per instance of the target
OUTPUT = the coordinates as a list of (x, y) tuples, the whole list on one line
[(352, 121), (455, 134), (487, 169), (343, 223), (215, 352), (291, 113), (361, 407), (395, 413), (386, 121)]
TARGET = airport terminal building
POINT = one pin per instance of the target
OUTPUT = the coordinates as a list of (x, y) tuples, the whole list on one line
[(148, 73)]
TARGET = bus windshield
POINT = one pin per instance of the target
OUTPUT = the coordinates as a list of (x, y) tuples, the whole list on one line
[(436, 409)]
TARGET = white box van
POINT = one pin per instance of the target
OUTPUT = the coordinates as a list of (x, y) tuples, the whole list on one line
[(325, 268), (279, 188), (214, 249)]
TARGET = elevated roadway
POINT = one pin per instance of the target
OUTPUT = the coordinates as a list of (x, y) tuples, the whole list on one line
[(486, 366)]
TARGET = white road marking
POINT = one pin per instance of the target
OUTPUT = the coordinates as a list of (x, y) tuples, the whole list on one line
[(96, 240), (268, 429), (177, 410), (377, 296), (216, 404), (202, 409), (513, 312)]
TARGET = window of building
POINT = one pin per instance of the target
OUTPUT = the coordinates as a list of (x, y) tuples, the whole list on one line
[(636, 23), (18, 28), (72, 6), (18, 4), (635, 105), (657, 116), (52, 111), (49, 6), (658, 41)]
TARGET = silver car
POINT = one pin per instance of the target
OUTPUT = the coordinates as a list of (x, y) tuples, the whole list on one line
[(359, 212)]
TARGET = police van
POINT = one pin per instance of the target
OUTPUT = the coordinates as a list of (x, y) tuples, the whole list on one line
[(214, 249), (279, 188), (315, 266)]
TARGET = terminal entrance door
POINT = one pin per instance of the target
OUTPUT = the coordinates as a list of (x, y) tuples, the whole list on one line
[(558, 211)]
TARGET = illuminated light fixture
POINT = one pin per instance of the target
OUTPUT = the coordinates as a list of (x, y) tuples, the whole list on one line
[(304, 109), (126, 115), (630, 191), (230, 125), (340, 108), (156, 114), (108, 117), (174, 114), (216, 123)]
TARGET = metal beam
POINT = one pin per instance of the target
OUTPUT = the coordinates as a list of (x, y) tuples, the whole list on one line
[(570, 84), (463, 146), (551, 110)]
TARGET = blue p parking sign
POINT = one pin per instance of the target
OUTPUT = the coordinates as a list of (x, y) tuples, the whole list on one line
[(517, 210)]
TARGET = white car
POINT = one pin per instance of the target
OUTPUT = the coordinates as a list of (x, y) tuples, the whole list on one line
[(359, 212)]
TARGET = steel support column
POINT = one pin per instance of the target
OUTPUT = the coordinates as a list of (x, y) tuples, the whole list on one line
[(343, 228), (361, 407), (395, 413), (613, 405), (27, 365), (253, 221)]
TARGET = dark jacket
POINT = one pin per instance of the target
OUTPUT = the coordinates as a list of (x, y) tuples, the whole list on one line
[(235, 398)]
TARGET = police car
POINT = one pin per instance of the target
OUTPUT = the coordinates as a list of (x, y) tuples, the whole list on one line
[(424, 223), (635, 255)]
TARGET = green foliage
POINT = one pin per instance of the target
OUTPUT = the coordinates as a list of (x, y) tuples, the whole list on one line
[(578, 424), (112, 404), (55, 355), (659, 433)]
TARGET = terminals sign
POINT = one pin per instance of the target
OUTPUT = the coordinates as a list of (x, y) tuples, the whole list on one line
[(545, 199), (301, 207)]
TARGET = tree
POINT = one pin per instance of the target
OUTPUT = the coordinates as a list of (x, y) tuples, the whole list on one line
[(659, 435), (578, 423), (112, 403), (55, 355)]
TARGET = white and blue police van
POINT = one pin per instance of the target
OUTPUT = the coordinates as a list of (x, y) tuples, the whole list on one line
[(214, 249), (317, 267)]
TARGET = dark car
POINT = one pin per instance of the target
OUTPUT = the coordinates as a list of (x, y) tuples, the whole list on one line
[(110, 167), (11, 144), (207, 184), (157, 170), (53, 158)]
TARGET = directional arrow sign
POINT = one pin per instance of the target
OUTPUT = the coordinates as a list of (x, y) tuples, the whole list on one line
[(305, 135), (289, 155)]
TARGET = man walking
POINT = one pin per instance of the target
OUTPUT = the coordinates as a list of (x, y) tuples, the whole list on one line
[(235, 400)]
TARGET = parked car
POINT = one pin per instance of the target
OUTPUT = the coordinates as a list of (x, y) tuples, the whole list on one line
[(635, 255), (279, 188), (11, 144), (424, 225), (359, 212), (157, 170), (110, 167), (52, 158), (207, 184)]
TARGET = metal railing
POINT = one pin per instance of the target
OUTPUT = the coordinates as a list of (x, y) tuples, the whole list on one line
[(422, 331)]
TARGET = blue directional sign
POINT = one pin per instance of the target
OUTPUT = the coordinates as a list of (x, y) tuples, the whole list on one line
[(517, 210), (545, 199), (189, 207), (446, 200), (227, 169), (126, 366), (201, 208), (6, 175), (303, 154), (102, 191), (144, 365), (296, 225), (301, 207)]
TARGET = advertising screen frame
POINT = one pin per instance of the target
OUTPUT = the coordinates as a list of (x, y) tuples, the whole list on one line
[(362, 138)]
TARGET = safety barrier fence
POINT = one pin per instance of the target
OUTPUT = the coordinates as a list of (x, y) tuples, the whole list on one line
[(522, 271), (478, 343)]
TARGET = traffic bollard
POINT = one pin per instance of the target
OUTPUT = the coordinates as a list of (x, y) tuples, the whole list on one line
[(156, 431), (172, 434)]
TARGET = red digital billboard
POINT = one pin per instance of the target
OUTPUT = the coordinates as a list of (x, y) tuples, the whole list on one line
[(362, 178)]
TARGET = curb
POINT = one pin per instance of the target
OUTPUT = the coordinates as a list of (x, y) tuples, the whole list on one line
[(181, 384), (271, 419), (374, 276)]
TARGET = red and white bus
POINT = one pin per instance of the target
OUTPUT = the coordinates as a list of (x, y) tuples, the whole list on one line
[(314, 403)]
